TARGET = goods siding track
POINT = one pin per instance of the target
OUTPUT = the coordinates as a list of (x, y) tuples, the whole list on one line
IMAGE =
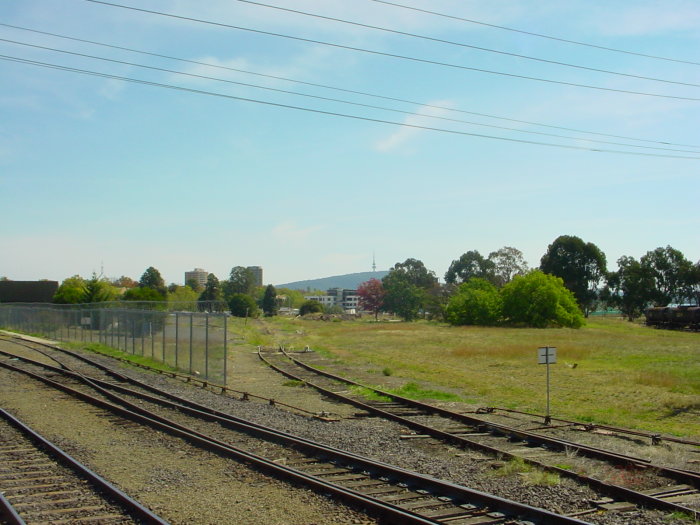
[(40, 483), (395, 494), (665, 488)]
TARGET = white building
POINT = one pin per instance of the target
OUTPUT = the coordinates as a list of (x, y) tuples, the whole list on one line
[(348, 300)]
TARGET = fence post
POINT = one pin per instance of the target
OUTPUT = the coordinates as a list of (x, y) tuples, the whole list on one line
[(177, 336), (165, 324), (206, 346), (225, 349)]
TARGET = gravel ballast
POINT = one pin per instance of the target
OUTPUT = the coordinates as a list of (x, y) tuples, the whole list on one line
[(210, 489)]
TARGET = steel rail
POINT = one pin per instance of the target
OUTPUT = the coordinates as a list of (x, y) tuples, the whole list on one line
[(130, 505), (446, 489), (187, 378), (655, 438), (8, 514), (524, 435), (613, 490)]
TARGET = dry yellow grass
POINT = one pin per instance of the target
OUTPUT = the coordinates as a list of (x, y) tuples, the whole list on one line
[(610, 371)]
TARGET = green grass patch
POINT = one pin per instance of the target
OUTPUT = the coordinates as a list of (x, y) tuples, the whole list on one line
[(294, 383), (415, 391), (610, 371), (112, 352), (369, 394), (530, 474), (513, 466), (542, 478)]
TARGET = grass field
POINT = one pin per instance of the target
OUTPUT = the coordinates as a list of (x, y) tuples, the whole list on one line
[(610, 371)]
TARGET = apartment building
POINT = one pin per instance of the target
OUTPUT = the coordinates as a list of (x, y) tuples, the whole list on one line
[(347, 299), (199, 275)]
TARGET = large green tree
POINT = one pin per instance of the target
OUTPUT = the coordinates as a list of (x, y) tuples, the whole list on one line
[(183, 298), (476, 302), (695, 283), (76, 290), (406, 286), (241, 280), (540, 300), (71, 291), (269, 301), (143, 293), (507, 263), (672, 275), (243, 305), (212, 290), (469, 265), (630, 288), (99, 290), (403, 298), (580, 265), (414, 272), (151, 278)]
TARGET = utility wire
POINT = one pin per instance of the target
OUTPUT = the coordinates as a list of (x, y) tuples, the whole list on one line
[(540, 35), (355, 92), (329, 113), (344, 90), (460, 44), (392, 55), (329, 99)]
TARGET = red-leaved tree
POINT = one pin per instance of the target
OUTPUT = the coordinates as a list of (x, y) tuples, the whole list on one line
[(371, 296)]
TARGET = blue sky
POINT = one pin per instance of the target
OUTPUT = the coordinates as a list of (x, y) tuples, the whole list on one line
[(98, 173)]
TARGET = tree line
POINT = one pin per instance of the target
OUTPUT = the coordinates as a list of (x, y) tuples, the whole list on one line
[(499, 289), (238, 294)]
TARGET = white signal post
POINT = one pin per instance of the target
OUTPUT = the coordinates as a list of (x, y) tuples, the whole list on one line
[(547, 355)]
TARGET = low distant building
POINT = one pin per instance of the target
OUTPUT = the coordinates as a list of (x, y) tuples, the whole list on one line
[(257, 272), (347, 299), (199, 275), (27, 291)]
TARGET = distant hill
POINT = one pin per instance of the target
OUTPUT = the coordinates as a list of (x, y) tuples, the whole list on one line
[(350, 281)]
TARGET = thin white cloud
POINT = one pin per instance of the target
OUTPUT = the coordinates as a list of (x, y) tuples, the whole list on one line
[(651, 18), (405, 133)]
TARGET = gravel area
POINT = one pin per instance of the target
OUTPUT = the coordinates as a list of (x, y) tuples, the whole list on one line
[(162, 484)]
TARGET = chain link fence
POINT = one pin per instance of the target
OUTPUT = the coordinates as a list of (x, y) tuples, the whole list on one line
[(191, 342)]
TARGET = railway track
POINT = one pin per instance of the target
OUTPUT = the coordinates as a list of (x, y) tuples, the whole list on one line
[(663, 488), (40, 483), (395, 494)]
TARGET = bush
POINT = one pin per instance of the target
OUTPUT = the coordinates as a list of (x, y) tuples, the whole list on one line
[(242, 305), (540, 300), (310, 307), (477, 302)]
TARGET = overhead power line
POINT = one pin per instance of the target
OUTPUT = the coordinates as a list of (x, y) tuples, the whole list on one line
[(470, 46), (329, 113), (539, 35), (355, 92), (341, 101), (392, 55)]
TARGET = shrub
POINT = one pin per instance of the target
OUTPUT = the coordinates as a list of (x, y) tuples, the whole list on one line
[(540, 300), (310, 307), (477, 302), (242, 305)]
